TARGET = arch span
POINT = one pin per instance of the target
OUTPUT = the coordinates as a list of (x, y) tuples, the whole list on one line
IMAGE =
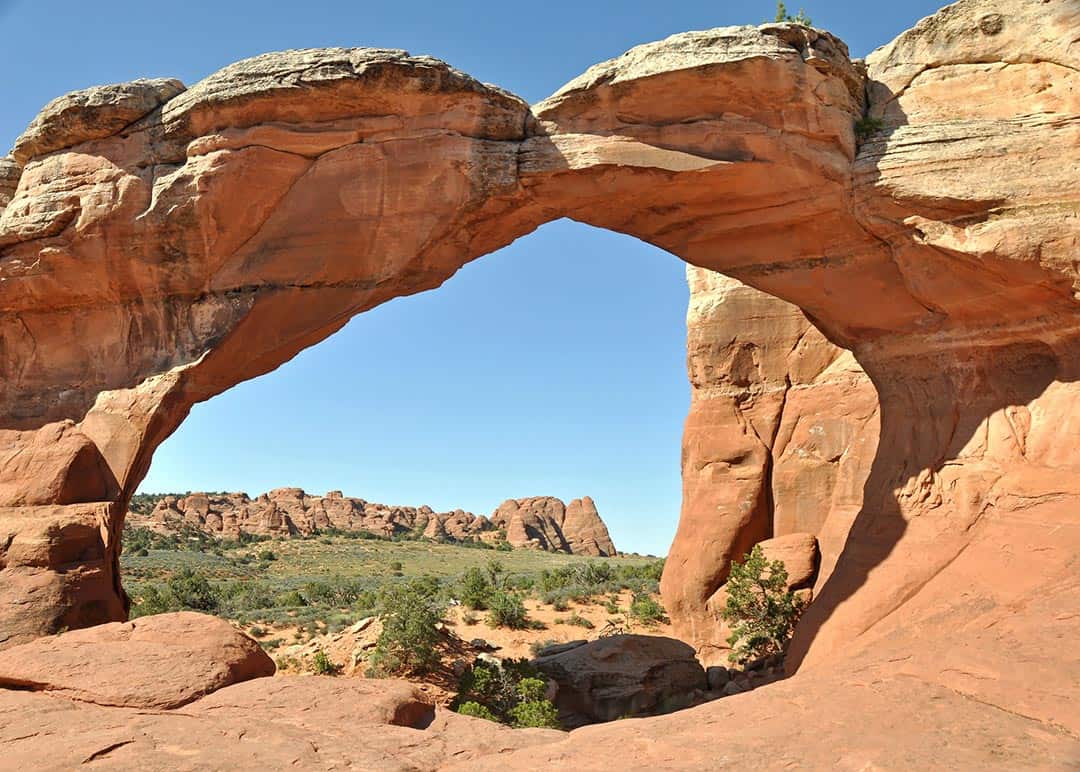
[(162, 244)]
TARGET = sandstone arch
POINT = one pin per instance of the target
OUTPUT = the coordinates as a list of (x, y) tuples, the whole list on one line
[(162, 244)]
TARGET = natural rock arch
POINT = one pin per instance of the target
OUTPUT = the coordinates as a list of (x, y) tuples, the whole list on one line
[(163, 244)]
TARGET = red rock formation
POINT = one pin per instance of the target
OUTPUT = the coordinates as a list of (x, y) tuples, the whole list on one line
[(541, 523), (779, 440), (149, 267), (546, 523), (291, 511), (162, 661), (105, 704)]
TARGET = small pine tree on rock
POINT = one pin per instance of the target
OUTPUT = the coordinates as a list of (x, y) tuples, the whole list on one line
[(782, 15), (760, 608)]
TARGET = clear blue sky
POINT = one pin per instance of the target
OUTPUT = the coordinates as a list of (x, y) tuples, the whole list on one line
[(553, 367)]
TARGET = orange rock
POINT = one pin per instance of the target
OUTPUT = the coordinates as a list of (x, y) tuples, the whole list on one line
[(148, 269), (160, 661), (546, 523)]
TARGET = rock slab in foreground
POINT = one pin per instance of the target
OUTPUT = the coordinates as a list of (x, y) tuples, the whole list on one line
[(161, 661)]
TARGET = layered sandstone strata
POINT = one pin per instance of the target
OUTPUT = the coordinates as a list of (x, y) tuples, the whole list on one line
[(163, 244), (546, 523), (542, 522), (293, 512)]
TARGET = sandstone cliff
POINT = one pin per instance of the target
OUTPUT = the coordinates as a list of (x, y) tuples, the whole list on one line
[(547, 523), (544, 523), (921, 212)]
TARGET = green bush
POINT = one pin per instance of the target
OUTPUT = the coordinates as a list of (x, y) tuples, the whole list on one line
[(475, 589), (187, 591), (760, 609), (323, 665), (507, 610), (577, 620), (267, 555), (409, 638), (535, 713), (782, 15), (865, 127), (511, 693), (476, 710), (290, 599), (645, 609)]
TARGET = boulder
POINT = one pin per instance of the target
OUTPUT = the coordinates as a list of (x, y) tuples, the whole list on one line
[(270, 723), (799, 554), (623, 675), (717, 677), (159, 661)]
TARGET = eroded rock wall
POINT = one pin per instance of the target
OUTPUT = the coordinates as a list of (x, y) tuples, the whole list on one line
[(547, 523), (163, 244), (779, 439)]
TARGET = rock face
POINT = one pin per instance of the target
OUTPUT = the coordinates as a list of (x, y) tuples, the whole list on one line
[(622, 676), (151, 266), (161, 661), (546, 523), (291, 512), (264, 723), (779, 440), (538, 523)]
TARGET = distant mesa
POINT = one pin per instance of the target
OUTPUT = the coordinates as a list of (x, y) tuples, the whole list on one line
[(540, 523)]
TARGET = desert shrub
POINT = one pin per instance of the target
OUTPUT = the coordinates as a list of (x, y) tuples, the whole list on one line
[(559, 602), (409, 639), (760, 609), (507, 610), (495, 570), (475, 589), (187, 591), (538, 646), (240, 598), (469, 618), (579, 621), (336, 592), (266, 556), (271, 644), (646, 609), (511, 693), (535, 713), (396, 565), (782, 15), (256, 631), (321, 664), (612, 607), (476, 710), (865, 127), (290, 599), (522, 582)]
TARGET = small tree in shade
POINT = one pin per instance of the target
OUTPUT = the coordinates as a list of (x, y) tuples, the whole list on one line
[(760, 609)]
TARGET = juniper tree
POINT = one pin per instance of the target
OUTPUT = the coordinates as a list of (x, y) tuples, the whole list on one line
[(760, 608)]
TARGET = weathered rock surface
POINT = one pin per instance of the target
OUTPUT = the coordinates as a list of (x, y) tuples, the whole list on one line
[(781, 433), (268, 723), (799, 554), (253, 214), (620, 676), (292, 511), (539, 523), (160, 661), (546, 523)]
